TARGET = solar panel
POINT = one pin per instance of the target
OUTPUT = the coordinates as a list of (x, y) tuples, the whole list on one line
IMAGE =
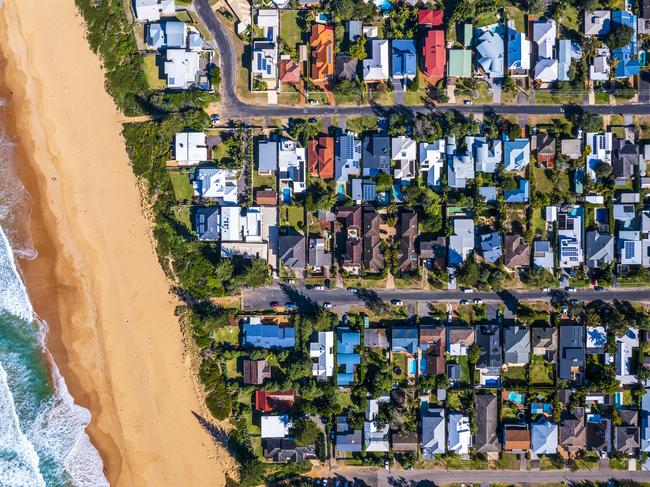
[(629, 250)]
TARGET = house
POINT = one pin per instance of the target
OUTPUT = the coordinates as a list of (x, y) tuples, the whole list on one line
[(596, 339), (318, 256), (626, 440), (292, 251), (264, 63), (404, 153), (404, 63), (404, 340), (567, 52), (375, 435), (345, 67), (543, 342), (375, 338), (266, 197), (432, 161), (283, 450), (571, 148), (546, 147), (491, 247), (322, 354), (433, 344), (433, 434), (599, 69), (544, 437), (182, 69), (320, 157), (630, 247), (347, 157), (571, 353), (597, 22), (487, 423), (460, 165), (573, 430), (322, 52), (433, 252), (490, 52), (407, 232), (376, 67), (207, 221), (152, 10), (166, 35), (430, 18), (624, 361), (599, 433), (459, 63), (516, 437), (644, 413), (543, 256), (487, 155), (459, 436), (216, 184), (256, 371), (434, 54), (488, 338), (267, 156), (517, 252), (627, 63), (459, 339), (516, 154), (600, 249), (600, 147), (625, 158), (570, 237), (461, 242), (275, 426), (348, 440), (373, 255), (545, 36), (346, 358), (289, 71), (519, 195), (268, 402), (264, 335), (404, 442), (518, 55), (465, 34), (353, 29), (516, 345), (376, 155), (349, 237), (292, 174), (364, 190)]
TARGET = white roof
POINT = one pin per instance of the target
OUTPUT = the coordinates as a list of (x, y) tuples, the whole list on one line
[(601, 151), (376, 67), (181, 68), (190, 147), (403, 148), (216, 183), (545, 34), (599, 69), (432, 159), (275, 426), (459, 437), (151, 10), (461, 243), (546, 70), (231, 224), (323, 351)]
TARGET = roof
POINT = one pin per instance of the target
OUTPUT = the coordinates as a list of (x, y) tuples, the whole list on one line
[(545, 35), (433, 345), (347, 439), (516, 437), (490, 53), (459, 436), (275, 426), (459, 339), (600, 248), (434, 54), (404, 63), (284, 450), (567, 52), (404, 339), (320, 157), (350, 220), (519, 195), (491, 246), (489, 193), (543, 338), (354, 29), (544, 437), (518, 50), (430, 17), (571, 148), (190, 148), (170, 34), (461, 242), (289, 71), (345, 67), (571, 350), (256, 371), (407, 231), (375, 338), (628, 64), (268, 335), (268, 401), (292, 251), (267, 155), (405, 441), (516, 345), (376, 154), (487, 422), (626, 439), (516, 154), (488, 338), (373, 256), (517, 251), (207, 223), (459, 64), (434, 438), (487, 155), (460, 165), (597, 22), (317, 253), (216, 184), (266, 197), (376, 67), (322, 51), (181, 68), (573, 431)]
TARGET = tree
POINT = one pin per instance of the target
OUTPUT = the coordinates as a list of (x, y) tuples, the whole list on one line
[(514, 130), (358, 49), (539, 278), (587, 121), (473, 353), (603, 170), (304, 431), (619, 36), (426, 128), (384, 181), (397, 124), (509, 87), (319, 195), (303, 130)]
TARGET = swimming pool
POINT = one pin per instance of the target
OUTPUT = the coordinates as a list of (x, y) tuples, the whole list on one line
[(384, 5), (413, 367), (286, 195), (516, 397)]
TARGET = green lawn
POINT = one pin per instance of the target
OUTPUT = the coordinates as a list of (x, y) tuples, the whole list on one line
[(516, 14), (508, 461), (601, 98), (182, 185), (464, 369), (231, 368), (361, 124), (570, 19), (541, 371), (618, 463), (289, 29), (182, 214), (554, 97), (152, 73), (260, 181), (514, 376), (589, 460), (538, 223), (292, 216), (414, 97), (227, 334), (453, 401), (551, 462), (509, 411), (455, 462)]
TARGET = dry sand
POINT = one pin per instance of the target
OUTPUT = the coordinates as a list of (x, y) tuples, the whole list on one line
[(97, 281)]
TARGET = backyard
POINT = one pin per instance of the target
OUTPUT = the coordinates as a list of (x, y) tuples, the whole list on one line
[(541, 371), (183, 190), (289, 29), (292, 216)]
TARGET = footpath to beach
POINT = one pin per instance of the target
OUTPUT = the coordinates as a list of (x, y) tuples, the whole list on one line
[(97, 281)]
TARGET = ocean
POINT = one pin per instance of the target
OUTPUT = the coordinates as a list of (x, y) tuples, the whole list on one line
[(42, 431)]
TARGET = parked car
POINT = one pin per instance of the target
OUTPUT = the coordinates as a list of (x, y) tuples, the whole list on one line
[(468, 290), (546, 290), (291, 281), (579, 134), (319, 287), (290, 305), (478, 301), (396, 302), (571, 290), (464, 302), (274, 304), (215, 119), (313, 102), (574, 302), (468, 102), (599, 289), (312, 120), (352, 289), (327, 305)]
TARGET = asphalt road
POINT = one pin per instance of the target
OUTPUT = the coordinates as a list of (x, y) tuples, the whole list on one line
[(234, 108), (341, 299)]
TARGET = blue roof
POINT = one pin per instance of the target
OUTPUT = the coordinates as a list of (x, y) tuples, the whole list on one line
[(519, 195), (344, 379), (348, 359), (347, 340), (626, 66), (489, 193), (405, 340), (516, 154), (403, 58), (516, 41), (268, 336)]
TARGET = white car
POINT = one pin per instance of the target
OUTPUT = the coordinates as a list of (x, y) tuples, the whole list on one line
[(319, 287), (571, 290), (327, 305), (313, 102), (546, 290), (478, 301), (463, 302), (468, 290), (397, 302)]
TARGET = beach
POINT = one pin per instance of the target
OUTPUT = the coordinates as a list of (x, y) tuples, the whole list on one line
[(96, 281)]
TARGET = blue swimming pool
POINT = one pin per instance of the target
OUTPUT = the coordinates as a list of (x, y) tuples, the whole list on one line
[(384, 5), (413, 367), (516, 397), (286, 195)]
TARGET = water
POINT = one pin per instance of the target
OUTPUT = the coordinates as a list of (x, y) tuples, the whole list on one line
[(42, 431)]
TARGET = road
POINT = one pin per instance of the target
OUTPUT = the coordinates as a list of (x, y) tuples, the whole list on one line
[(382, 478), (235, 108), (342, 299)]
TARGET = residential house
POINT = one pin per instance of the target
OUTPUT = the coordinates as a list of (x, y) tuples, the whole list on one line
[(459, 436), (430, 18), (491, 247), (599, 69), (292, 175), (407, 232), (570, 232), (459, 339), (544, 437), (346, 358), (490, 52), (320, 157), (376, 67), (375, 338), (433, 434), (434, 54), (518, 55), (460, 165), (266, 197), (375, 434), (289, 71), (519, 195), (348, 242), (624, 361), (545, 150), (267, 156), (264, 64), (207, 221), (433, 252), (256, 371), (466, 34), (630, 247), (404, 442), (461, 241), (376, 155), (487, 423), (490, 360), (627, 63), (345, 67), (266, 335), (322, 354), (600, 249), (567, 52), (644, 412), (404, 340), (573, 430), (322, 52), (543, 255), (545, 37), (597, 22), (166, 35), (487, 155), (283, 450), (373, 255), (182, 70), (347, 157), (571, 148), (516, 154), (433, 344), (571, 353), (599, 433), (318, 256), (516, 345), (516, 437), (353, 30), (152, 10), (364, 190), (216, 184), (404, 63), (543, 342), (292, 252), (275, 426), (596, 340), (459, 63), (249, 232), (404, 153), (348, 440), (517, 252), (278, 401), (626, 440), (454, 374), (432, 161), (600, 147), (625, 158)]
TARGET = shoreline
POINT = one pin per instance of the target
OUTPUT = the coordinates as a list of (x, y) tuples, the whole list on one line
[(112, 329)]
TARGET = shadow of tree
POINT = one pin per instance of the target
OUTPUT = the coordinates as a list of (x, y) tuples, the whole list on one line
[(216, 433), (304, 303)]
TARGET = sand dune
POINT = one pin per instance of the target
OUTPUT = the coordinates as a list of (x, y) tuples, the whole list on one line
[(97, 281)]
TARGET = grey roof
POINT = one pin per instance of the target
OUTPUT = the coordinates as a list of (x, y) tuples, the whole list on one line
[(454, 372), (267, 155), (376, 155), (573, 430), (544, 337), (491, 247), (490, 53), (543, 254), (487, 422), (572, 350), (206, 223), (489, 341), (292, 251), (571, 148), (354, 29), (625, 156), (600, 248), (433, 438), (543, 437), (318, 257), (516, 344), (489, 193), (285, 450), (375, 338), (347, 439), (345, 67), (626, 439)]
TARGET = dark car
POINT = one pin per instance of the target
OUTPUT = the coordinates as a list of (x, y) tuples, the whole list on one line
[(312, 120), (274, 304)]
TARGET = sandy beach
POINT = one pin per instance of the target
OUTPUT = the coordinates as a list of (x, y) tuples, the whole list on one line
[(97, 281)]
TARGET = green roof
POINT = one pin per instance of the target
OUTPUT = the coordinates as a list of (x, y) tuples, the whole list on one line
[(459, 63), (466, 34)]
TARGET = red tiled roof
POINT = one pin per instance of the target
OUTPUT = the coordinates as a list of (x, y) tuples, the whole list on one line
[(430, 17), (322, 54), (266, 197), (289, 71), (320, 157), (273, 401), (434, 53)]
